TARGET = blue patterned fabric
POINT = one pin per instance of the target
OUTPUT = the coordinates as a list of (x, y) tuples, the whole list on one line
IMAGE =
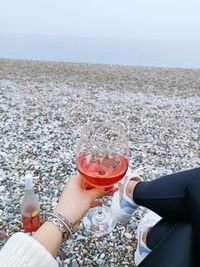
[(143, 250), (127, 206)]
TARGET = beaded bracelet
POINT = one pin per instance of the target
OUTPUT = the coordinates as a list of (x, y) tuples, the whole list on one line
[(63, 224)]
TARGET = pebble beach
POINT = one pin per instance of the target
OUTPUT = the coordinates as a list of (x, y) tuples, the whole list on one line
[(43, 109)]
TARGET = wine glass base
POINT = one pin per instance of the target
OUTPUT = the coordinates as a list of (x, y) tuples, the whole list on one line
[(100, 223)]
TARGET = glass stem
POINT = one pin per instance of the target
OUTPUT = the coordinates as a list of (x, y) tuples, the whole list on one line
[(100, 209)]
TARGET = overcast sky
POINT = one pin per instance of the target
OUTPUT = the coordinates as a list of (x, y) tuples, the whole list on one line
[(135, 19)]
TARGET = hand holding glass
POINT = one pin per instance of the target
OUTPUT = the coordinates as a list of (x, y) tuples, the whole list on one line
[(102, 159)]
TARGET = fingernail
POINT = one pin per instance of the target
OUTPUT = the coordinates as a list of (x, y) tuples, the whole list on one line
[(108, 188)]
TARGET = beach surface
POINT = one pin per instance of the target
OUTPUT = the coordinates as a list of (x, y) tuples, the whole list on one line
[(45, 105)]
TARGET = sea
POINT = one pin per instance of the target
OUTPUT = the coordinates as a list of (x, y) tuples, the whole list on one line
[(129, 51)]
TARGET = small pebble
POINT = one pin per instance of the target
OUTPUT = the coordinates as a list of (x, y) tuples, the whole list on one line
[(2, 188), (3, 235), (102, 256), (130, 249), (67, 261), (1, 212), (128, 235)]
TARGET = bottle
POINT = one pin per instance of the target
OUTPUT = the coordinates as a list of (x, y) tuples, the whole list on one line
[(30, 207)]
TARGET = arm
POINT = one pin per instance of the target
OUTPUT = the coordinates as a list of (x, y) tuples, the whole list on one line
[(74, 203)]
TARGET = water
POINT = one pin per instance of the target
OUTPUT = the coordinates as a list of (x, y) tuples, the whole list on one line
[(100, 50)]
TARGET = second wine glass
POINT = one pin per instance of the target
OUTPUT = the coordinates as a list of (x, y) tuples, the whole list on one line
[(102, 160)]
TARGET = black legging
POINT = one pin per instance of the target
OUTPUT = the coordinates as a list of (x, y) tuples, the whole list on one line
[(175, 240)]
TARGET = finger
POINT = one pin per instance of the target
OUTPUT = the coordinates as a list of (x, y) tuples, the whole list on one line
[(108, 188), (86, 186), (96, 192), (113, 189), (108, 194), (111, 192), (96, 203), (100, 192)]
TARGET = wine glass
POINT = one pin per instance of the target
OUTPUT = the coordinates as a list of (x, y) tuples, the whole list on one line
[(102, 159)]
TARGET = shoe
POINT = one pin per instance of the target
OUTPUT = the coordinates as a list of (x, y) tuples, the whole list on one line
[(122, 206), (147, 222)]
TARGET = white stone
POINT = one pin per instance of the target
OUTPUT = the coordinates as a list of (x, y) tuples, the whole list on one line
[(1, 212), (128, 235), (129, 248), (67, 261), (2, 188), (102, 256)]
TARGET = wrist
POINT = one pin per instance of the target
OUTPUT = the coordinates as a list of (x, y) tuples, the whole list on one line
[(49, 236), (67, 213)]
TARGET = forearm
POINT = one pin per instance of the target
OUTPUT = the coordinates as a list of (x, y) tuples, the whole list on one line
[(49, 236)]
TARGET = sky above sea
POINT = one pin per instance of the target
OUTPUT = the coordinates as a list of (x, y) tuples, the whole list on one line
[(183, 54), (127, 32)]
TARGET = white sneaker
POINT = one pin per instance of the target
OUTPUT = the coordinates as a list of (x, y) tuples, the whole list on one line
[(147, 222), (122, 206)]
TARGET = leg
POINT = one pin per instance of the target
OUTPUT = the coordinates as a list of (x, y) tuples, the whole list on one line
[(169, 195), (174, 249), (157, 232), (174, 197)]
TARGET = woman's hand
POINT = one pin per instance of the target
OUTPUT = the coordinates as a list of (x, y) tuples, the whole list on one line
[(76, 200)]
